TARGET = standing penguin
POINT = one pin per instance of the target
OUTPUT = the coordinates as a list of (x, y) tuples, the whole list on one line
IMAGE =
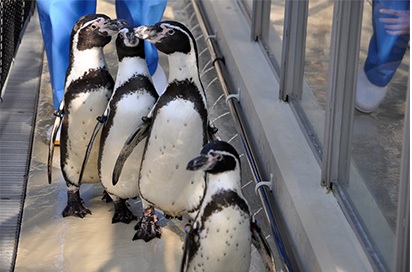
[(177, 127), (133, 97), (88, 88), (223, 231)]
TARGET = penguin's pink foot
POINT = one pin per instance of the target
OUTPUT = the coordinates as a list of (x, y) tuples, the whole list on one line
[(75, 205), (146, 228), (122, 213)]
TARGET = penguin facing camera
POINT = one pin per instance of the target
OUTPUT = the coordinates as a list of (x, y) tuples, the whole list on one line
[(223, 230), (88, 88)]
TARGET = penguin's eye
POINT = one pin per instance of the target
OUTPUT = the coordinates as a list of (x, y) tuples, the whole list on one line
[(121, 35), (171, 31), (217, 156), (94, 26)]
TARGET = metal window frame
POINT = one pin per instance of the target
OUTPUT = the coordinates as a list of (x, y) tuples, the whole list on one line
[(345, 43), (260, 19), (402, 262), (293, 49), (344, 58), (293, 67)]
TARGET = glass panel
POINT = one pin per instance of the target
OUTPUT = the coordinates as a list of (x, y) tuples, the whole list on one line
[(318, 37), (247, 6), (373, 187), (274, 40), (277, 13)]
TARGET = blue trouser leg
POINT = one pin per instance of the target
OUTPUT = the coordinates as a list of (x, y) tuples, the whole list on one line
[(57, 18), (385, 51), (139, 13)]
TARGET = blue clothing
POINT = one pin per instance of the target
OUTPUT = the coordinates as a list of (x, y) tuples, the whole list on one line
[(385, 51), (57, 18), (143, 13)]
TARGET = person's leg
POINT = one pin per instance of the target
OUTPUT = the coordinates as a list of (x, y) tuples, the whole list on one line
[(146, 12), (384, 57), (57, 18), (385, 50)]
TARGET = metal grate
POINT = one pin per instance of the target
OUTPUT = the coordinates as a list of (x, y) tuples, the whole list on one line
[(13, 19), (17, 117)]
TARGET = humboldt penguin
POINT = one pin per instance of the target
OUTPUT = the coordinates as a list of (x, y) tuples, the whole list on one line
[(133, 97), (223, 230), (88, 88), (177, 128)]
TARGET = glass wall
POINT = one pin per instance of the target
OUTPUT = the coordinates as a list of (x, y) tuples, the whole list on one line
[(316, 64), (373, 187), (302, 40)]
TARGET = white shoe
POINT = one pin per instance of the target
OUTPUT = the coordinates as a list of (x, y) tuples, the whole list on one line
[(159, 80), (368, 96)]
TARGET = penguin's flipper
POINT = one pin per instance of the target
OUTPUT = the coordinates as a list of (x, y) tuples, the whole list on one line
[(190, 245), (56, 125), (262, 247), (212, 132), (101, 120), (134, 139)]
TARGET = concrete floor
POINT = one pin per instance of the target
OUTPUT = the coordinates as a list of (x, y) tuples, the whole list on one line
[(49, 242)]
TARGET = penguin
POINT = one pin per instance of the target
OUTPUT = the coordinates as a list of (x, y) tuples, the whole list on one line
[(220, 238), (133, 97), (176, 128), (88, 88), (223, 230)]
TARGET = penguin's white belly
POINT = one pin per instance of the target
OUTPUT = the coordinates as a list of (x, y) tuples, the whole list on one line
[(128, 117), (225, 242), (176, 137), (83, 109)]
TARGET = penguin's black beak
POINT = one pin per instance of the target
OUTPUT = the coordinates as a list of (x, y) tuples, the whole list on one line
[(112, 27), (150, 33), (198, 163)]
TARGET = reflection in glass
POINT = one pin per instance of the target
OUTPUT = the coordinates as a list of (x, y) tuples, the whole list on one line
[(318, 37), (273, 42), (373, 187)]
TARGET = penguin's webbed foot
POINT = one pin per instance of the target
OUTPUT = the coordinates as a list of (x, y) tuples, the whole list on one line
[(75, 205), (122, 213), (106, 197), (146, 228), (168, 216)]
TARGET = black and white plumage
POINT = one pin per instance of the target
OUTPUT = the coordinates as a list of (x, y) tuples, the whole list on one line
[(133, 97), (88, 87), (223, 231), (220, 237), (178, 128)]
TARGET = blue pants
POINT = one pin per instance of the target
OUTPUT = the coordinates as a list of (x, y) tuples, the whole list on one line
[(385, 51), (57, 18)]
